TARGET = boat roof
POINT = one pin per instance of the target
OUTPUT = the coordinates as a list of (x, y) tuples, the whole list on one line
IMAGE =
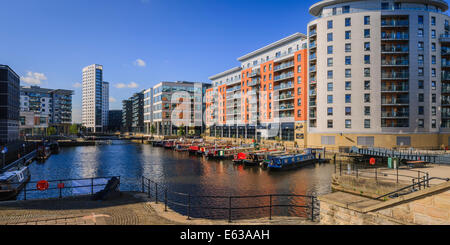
[(8, 174)]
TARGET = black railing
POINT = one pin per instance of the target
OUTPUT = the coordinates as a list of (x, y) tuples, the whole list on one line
[(187, 202), (422, 183), (378, 172), (64, 188)]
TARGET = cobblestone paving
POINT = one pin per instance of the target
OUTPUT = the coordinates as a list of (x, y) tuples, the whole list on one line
[(129, 209)]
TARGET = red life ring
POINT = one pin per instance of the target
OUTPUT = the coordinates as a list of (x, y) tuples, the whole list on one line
[(42, 185), (372, 161)]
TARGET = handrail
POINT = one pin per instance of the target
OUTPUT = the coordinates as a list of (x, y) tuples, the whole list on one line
[(159, 189), (425, 181)]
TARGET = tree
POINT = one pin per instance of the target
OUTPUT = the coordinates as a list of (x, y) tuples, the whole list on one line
[(51, 131), (73, 129), (181, 131), (152, 129)]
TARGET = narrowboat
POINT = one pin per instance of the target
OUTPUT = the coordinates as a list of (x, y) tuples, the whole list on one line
[(157, 143), (193, 149), (169, 144), (181, 147), (240, 157), (290, 161), (12, 181), (43, 152)]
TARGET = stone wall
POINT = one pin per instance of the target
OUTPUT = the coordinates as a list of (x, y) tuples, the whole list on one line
[(429, 206)]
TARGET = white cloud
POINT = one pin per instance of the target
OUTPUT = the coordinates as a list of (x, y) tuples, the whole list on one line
[(76, 85), (140, 63), (33, 78), (129, 85), (112, 100), (133, 85)]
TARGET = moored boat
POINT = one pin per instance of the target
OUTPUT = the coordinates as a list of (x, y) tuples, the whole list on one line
[(285, 162), (43, 152), (12, 181)]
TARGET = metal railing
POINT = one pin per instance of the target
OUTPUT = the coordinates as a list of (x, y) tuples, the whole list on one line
[(64, 188), (160, 193), (422, 183)]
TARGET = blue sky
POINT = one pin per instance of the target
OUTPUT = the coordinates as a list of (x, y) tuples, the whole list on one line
[(48, 42)]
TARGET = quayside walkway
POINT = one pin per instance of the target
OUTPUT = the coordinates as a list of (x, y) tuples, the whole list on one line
[(131, 208)]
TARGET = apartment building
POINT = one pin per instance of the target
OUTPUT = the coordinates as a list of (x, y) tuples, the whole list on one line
[(42, 107), (148, 110), (179, 104), (127, 115), (95, 99), (9, 105), (380, 75), (265, 97)]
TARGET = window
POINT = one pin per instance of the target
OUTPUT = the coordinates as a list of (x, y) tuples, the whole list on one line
[(433, 123), (299, 69), (329, 123), (330, 49), (433, 20), (421, 123), (433, 47), (348, 123), (366, 20), (270, 76), (384, 6), (420, 32), (348, 60), (348, 21), (330, 37), (299, 80), (366, 33), (327, 140), (433, 59), (420, 71), (348, 111), (348, 73), (366, 110), (433, 110), (433, 85), (366, 98), (433, 98), (330, 62), (330, 87), (367, 46), (330, 24), (299, 102), (348, 47), (367, 59), (420, 110), (366, 72), (366, 85), (348, 35), (348, 85), (345, 9), (420, 84), (330, 75), (420, 59), (420, 20), (433, 72), (348, 98), (433, 33), (421, 97), (299, 58), (299, 91), (270, 67), (397, 5), (334, 11), (366, 123), (330, 111), (330, 99)]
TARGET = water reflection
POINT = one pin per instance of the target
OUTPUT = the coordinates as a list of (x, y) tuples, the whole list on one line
[(183, 173)]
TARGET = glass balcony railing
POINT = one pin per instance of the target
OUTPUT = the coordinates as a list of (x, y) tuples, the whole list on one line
[(445, 75), (312, 69), (283, 66), (394, 23), (400, 62), (287, 85), (395, 114), (313, 57), (359, 10), (312, 32), (395, 88), (312, 45), (394, 101), (445, 89), (395, 75), (395, 35), (283, 76)]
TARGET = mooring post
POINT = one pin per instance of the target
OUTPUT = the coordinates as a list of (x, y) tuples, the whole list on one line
[(312, 208)]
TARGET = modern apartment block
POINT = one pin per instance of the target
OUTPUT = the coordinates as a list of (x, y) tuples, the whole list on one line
[(95, 99), (137, 119), (42, 107), (127, 115), (148, 110), (9, 105), (265, 97), (380, 73), (373, 73), (172, 101), (114, 120)]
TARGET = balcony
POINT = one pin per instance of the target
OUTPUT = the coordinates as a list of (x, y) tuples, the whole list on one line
[(394, 114), (395, 88), (284, 97), (445, 76), (444, 38), (313, 57), (394, 101), (445, 51), (394, 36), (254, 73), (395, 75), (312, 33), (312, 69), (285, 107), (253, 82), (312, 45), (312, 104), (445, 89), (394, 23), (312, 92), (284, 66), (283, 76), (283, 86), (394, 62)]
